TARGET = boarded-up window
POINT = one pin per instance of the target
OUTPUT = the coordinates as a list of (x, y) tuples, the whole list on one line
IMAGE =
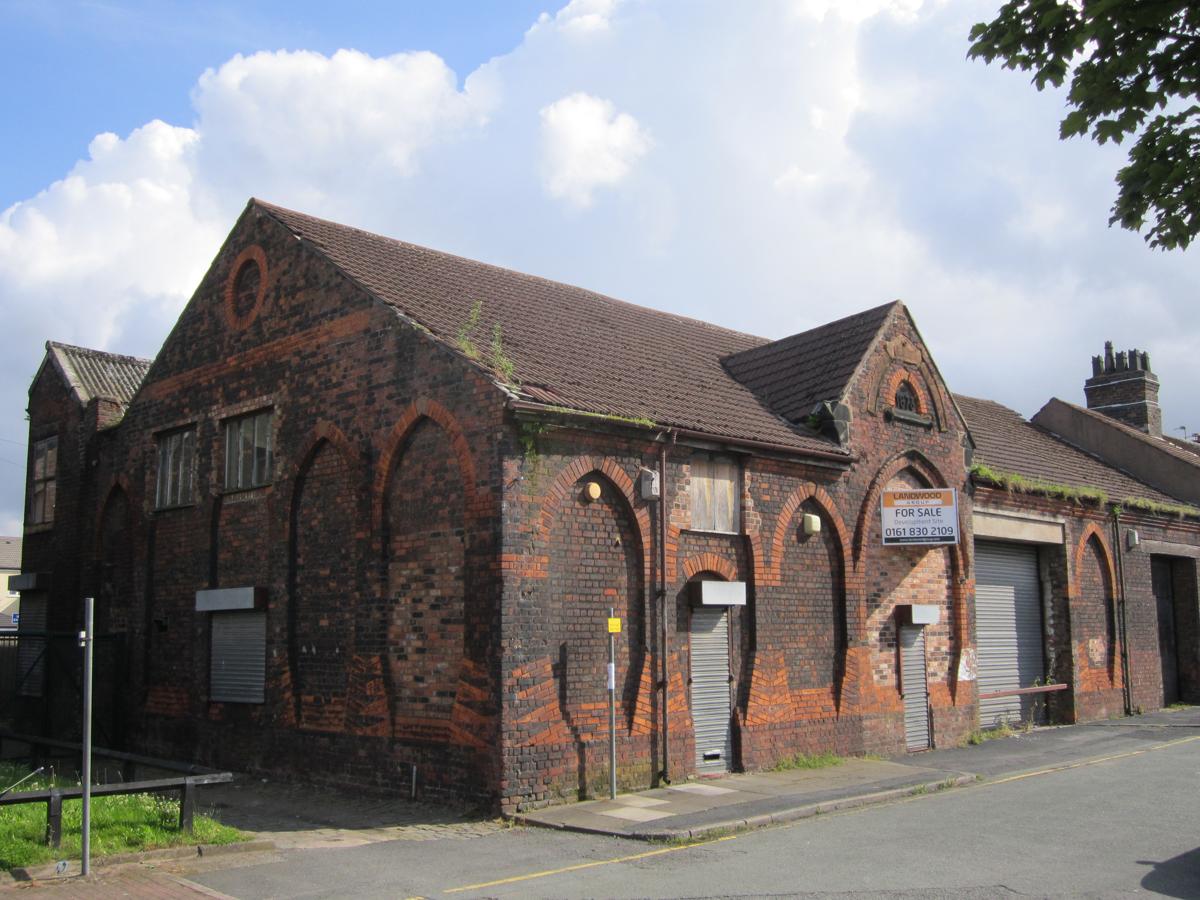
[(714, 493), (239, 657)]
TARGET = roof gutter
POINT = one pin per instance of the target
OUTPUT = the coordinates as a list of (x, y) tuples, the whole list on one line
[(529, 406)]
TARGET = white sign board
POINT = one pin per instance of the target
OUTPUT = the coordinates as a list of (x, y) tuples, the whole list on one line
[(920, 516)]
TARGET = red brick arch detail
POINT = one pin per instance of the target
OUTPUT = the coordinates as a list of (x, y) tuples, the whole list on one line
[(772, 573), (425, 408), (961, 586), (612, 472), (322, 433), (1090, 531), (710, 562), (908, 459), (900, 375)]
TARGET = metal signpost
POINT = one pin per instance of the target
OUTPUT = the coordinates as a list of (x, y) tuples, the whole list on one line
[(87, 642), (614, 628)]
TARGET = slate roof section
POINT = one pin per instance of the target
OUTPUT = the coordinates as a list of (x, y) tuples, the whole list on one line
[(10, 555), (1006, 442), (569, 347), (94, 373), (1170, 447), (794, 374)]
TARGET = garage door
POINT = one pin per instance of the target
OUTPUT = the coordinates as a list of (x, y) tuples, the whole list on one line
[(1008, 628)]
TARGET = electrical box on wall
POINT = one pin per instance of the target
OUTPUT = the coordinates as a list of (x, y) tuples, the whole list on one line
[(648, 484)]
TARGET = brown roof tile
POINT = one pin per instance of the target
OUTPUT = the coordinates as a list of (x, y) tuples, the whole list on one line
[(1008, 443), (569, 347), (794, 374)]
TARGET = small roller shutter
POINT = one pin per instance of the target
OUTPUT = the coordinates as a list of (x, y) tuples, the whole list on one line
[(239, 656), (916, 692), (710, 687), (1008, 627)]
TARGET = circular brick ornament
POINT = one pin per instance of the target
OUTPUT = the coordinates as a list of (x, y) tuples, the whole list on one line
[(246, 287)]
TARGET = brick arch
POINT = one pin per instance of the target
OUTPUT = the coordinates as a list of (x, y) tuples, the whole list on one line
[(321, 433), (879, 379), (255, 254), (907, 459), (612, 472), (116, 483), (710, 562), (424, 408), (915, 380), (771, 570), (1092, 530)]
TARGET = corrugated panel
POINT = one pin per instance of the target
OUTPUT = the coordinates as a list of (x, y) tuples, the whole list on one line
[(1008, 627), (710, 687), (916, 691), (239, 656), (31, 651)]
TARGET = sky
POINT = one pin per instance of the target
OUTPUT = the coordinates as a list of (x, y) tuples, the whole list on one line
[(766, 166)]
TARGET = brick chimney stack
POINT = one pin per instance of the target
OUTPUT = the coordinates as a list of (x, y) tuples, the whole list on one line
[(1123, 388)]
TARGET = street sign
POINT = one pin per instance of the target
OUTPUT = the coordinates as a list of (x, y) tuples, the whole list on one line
[(920, 516)]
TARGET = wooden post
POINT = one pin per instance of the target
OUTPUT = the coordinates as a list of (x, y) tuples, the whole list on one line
[(187, 805), (54, 819)]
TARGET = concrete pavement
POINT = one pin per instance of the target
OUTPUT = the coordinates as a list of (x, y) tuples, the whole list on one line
[(708, 807)]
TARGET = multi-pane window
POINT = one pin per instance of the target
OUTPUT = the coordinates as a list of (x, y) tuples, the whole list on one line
[(248, 451), (42, 481), (714, 493), (176, 469)]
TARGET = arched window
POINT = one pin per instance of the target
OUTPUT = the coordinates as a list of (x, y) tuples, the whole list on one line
[(906, 398)]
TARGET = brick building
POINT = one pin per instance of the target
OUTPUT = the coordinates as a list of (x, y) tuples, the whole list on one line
[(364, 516)]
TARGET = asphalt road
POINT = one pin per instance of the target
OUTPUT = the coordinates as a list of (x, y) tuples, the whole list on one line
[(1106, 829)]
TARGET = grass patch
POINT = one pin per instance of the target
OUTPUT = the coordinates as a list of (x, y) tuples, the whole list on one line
[(983, 735), (807, 761), (121, 824)]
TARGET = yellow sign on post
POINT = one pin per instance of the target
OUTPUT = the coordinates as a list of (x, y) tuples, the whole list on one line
[(614, 626)]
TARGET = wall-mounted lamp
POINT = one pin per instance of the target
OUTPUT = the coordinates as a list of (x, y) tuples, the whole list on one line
[(591, 491), (812, 524), (1132, 539)]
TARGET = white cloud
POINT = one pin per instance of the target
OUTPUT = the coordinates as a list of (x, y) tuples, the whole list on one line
[(810, 159), (587, 144)]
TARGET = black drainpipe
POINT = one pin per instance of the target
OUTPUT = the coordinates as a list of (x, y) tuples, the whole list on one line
[(663, 495), (1126, 687)]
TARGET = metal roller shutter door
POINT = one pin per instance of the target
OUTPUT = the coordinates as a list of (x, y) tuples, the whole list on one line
[(1008, 626), (31, 651), (916, 691), (239, 656), (710, 687)]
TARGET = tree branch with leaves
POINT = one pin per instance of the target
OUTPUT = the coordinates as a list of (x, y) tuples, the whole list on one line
[(1134, 71)]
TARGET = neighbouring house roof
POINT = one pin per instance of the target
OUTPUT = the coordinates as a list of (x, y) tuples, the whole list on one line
[(1190, 447), (1162, 444), (95, 374), (10, 554), (569, 347), (1009, 444), (794, 374)]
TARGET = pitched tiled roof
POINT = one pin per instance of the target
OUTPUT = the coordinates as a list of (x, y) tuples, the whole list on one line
[(1186, 446), (569, 347), (10, 554), (796, 373), (94, 373), (1007, 443)]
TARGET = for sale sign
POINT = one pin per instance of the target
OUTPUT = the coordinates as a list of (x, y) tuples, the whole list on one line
[(920, 516)]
